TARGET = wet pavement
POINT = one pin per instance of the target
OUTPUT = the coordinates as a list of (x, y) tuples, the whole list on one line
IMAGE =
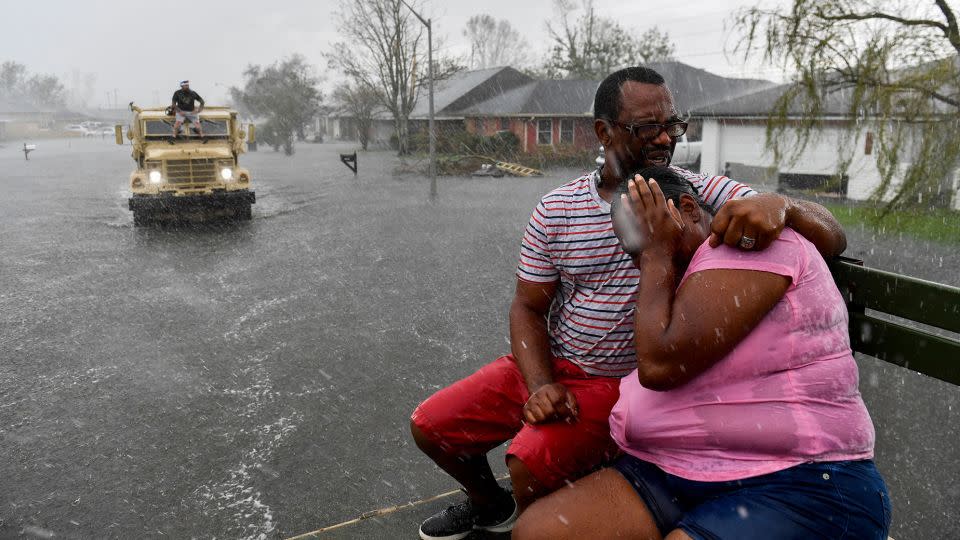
[(255, 379)]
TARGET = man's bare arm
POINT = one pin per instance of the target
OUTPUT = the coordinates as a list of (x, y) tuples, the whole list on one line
[(530, 344), (762, 218), (529, 340), (817, 224)]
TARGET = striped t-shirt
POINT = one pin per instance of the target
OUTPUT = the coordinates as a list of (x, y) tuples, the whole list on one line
[(570, 239)]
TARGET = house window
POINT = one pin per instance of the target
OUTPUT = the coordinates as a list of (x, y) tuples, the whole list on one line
[(504, 124), (566, 131), (544, 132)]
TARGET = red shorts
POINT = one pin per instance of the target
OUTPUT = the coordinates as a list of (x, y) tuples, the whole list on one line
[(478, 413)]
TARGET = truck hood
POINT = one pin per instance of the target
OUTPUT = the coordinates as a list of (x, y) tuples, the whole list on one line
[(187, 151)]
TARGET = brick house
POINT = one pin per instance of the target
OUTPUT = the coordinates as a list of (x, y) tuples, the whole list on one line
[(556, 113), (541, 114)]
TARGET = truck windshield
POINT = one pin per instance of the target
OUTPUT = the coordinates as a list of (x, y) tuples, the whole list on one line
[(164, 128)]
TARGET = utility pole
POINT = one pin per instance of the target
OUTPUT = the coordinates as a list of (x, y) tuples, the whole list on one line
[(433, 132)]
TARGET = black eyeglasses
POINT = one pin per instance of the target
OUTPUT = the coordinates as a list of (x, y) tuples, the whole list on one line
[(648, 132)]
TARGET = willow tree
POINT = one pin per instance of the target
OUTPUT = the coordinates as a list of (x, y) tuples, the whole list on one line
[(895, 62)]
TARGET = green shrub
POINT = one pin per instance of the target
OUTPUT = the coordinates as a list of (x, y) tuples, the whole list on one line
[(500, 145)]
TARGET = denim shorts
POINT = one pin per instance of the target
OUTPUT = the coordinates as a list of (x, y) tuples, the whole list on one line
[(839, 499)]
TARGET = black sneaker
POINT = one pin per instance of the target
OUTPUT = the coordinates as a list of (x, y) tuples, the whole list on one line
[(459, 520)]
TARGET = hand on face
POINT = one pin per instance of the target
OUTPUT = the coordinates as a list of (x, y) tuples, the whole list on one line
[(660, 217), (550, 402), (751, 223)]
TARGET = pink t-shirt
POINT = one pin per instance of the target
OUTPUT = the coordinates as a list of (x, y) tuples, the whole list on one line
[(787, 394)]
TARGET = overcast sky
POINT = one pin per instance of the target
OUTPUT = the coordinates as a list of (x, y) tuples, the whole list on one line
[(141, 50)]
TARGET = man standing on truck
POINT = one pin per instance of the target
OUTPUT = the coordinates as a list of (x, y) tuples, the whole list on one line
[(183, 104), (571, 321)]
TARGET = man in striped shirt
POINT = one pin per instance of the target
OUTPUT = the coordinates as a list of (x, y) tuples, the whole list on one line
[(571, 321)]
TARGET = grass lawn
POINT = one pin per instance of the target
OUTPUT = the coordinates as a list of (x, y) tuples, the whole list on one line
[(938, 225)]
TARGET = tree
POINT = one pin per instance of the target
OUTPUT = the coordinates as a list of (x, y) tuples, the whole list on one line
[(361, 101), (387, 50), (494, 43), (45, 90), (897, 63), (589, 46), (39, 90), (285, 94), (12, 75)]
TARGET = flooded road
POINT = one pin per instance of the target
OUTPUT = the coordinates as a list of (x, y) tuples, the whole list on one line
[(254, 380)]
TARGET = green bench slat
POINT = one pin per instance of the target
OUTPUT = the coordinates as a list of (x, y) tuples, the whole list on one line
[(911, 348), (917, 301), (930, 303)]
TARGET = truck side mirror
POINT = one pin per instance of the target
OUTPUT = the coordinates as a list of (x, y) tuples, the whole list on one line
[(251, 133), (118, 133)]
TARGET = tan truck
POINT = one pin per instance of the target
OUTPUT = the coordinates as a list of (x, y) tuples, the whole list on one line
[(188, 178)]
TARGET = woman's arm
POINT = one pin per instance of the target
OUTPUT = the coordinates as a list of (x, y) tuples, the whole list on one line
[(678, 335)]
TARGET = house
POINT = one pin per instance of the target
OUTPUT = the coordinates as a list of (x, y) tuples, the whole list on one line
[(340, 125), (460, 92), (554, 113), (451, 95), (19, 119), (465, 88), (540, 113), (693, 88), (734, 134), (544, 113)]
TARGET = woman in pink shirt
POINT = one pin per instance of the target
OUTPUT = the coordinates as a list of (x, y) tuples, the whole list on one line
[(743, 418)]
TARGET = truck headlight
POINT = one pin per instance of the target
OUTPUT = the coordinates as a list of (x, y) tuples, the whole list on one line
[(155, 177), (226, 173)]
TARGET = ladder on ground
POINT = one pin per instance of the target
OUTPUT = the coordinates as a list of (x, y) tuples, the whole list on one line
[(517, 170)]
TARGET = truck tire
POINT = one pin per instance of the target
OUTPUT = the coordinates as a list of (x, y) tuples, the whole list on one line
[(141, 218)]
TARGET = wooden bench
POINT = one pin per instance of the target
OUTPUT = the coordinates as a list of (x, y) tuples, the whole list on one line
[(903, 320)]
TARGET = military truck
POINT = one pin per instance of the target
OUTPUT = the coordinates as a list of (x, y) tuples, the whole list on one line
[(188, 178)]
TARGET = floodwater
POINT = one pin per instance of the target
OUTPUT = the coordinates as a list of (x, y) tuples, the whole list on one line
[(254, 380)]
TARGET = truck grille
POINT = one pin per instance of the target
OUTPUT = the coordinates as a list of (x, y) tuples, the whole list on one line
[(191, 170)]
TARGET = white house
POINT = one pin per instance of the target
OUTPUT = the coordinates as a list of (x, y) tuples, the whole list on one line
[(734, 134)]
